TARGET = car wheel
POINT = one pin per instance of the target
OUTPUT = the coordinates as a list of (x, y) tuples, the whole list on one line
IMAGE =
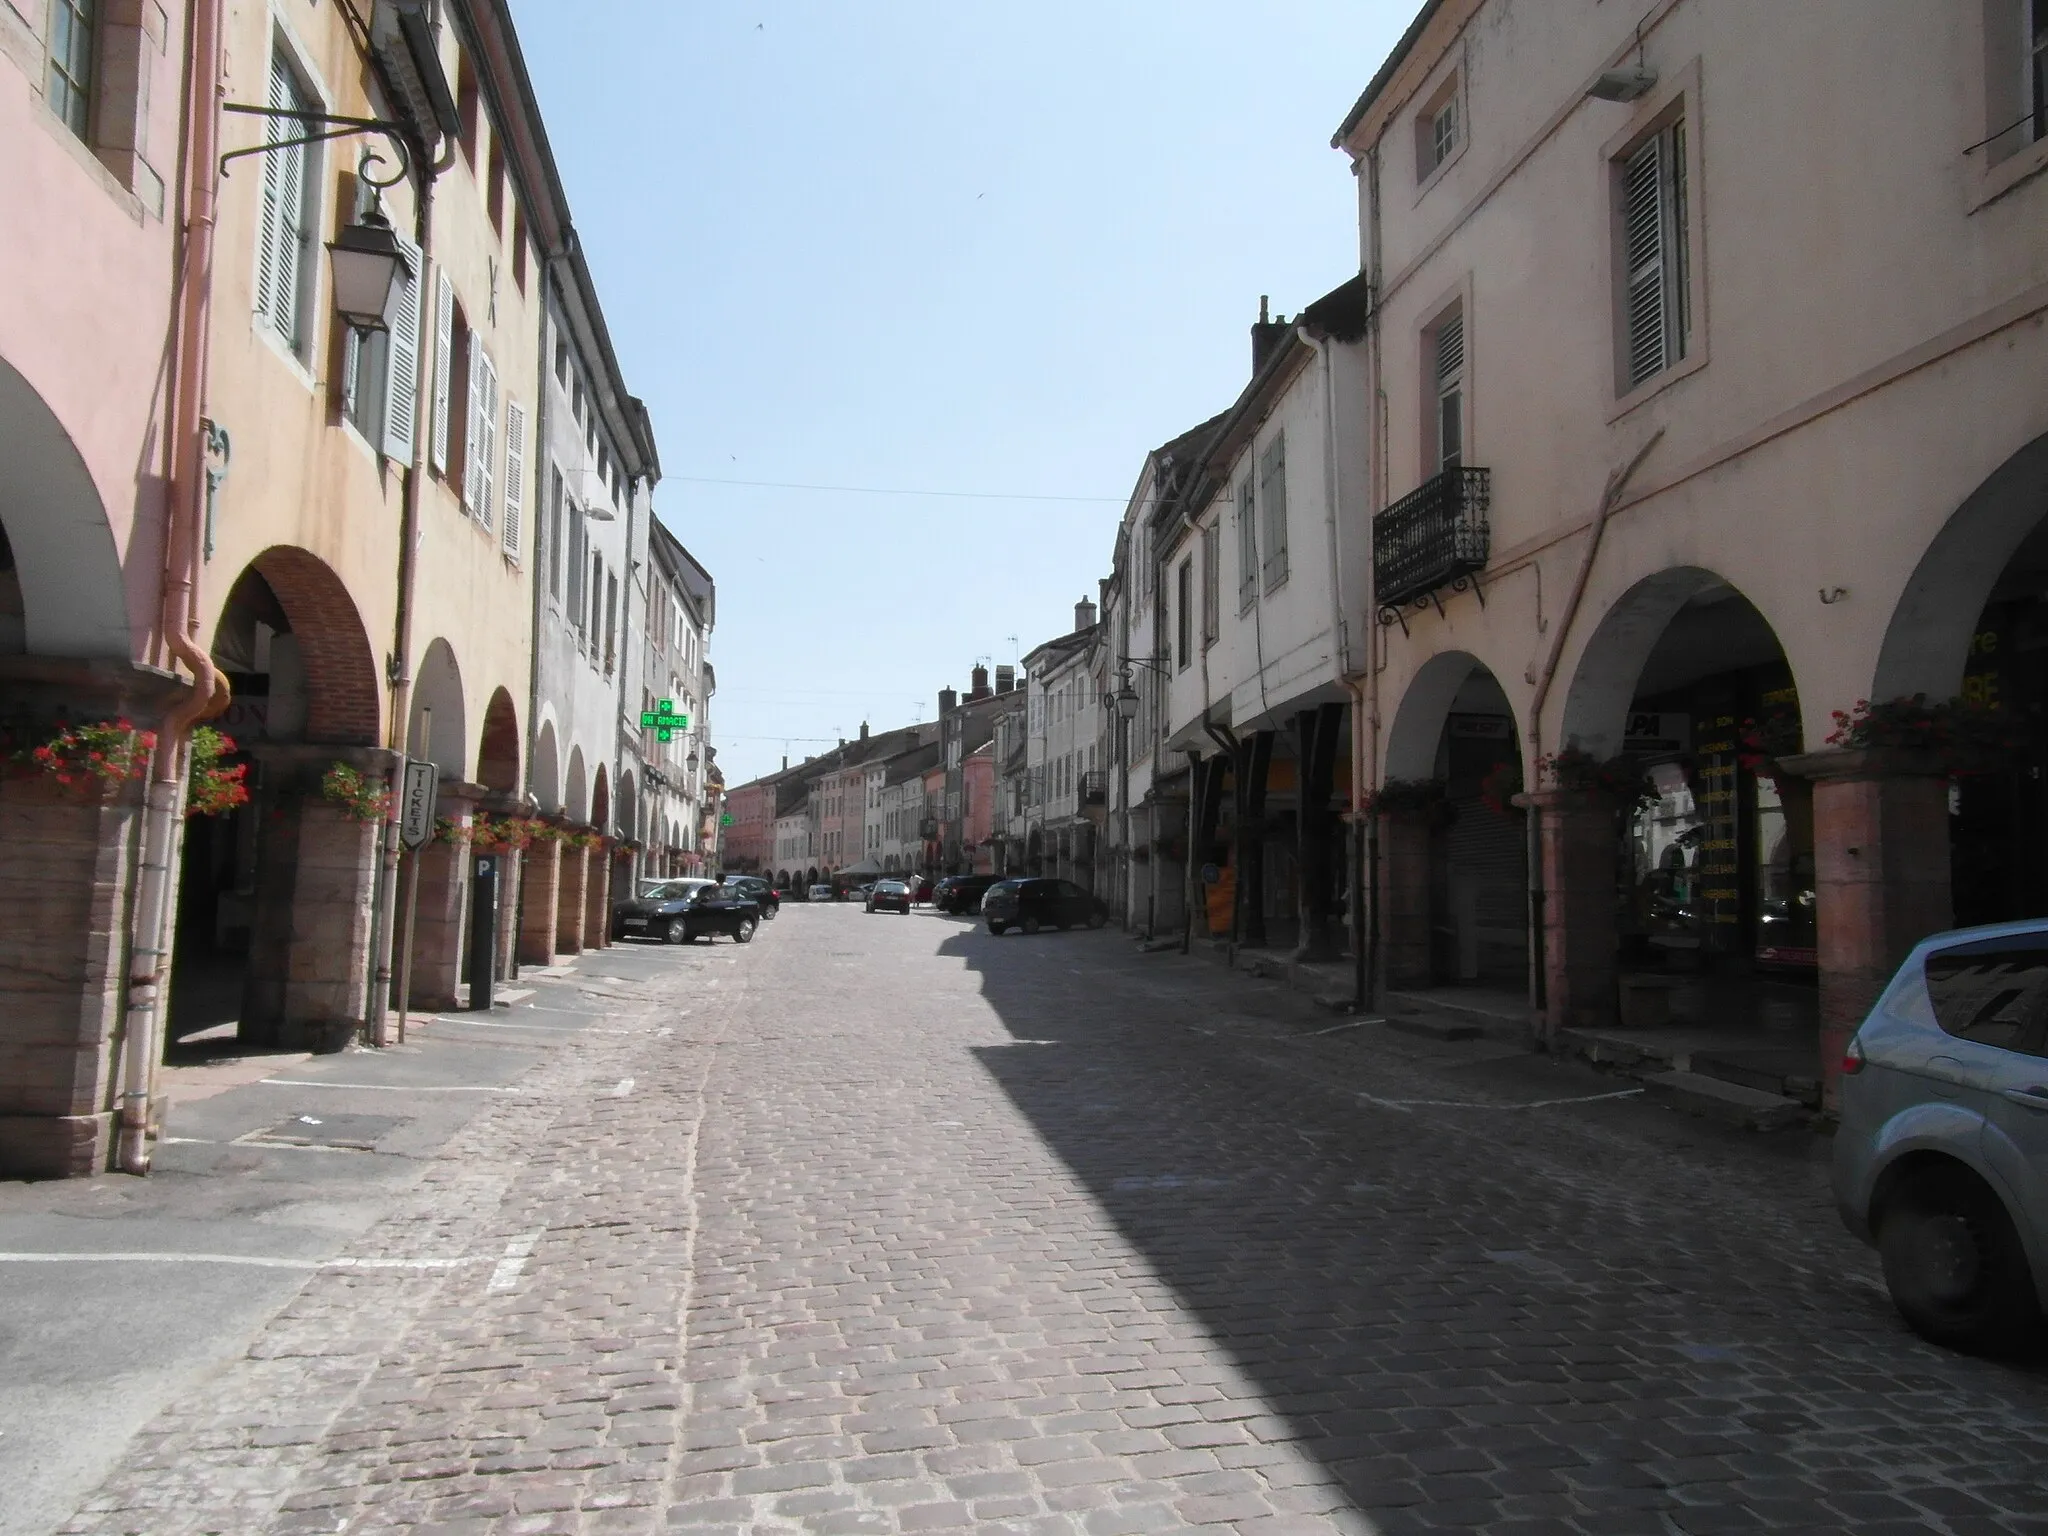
[(996, 928), (1954, 1265), (744, 933), (1029, 925), (677, 932)]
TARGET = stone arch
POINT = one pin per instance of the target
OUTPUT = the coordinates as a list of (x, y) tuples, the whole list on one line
[(629, 807), (497, 754), (1928, 639), (782, 879), (576, 798), (1611, 668), (601, 802), (60, 571), (1418, 726), (288, 616), (544, 774), (437, 688)]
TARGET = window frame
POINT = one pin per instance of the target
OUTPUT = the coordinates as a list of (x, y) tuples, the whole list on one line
[(1445, 96), (1270, 464), (304, 95), (1212, 583), (1183, 615), (1676, 102), (60, 65), (1430, 359), (1246, 500)]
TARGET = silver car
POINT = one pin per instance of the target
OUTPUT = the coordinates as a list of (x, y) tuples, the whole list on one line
[(1941, 1160)]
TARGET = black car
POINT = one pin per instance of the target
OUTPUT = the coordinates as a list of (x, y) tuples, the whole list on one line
[(1035, 904), (961, 893), (683, 911), (760, 890), (889, 896)]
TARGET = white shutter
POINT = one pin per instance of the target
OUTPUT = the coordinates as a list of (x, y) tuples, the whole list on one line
[(472, 441), (1273, 496), (515, 474), (279, 256), (1642, 195), (402, 364), (273, 194), (486, 447), (444, 366)]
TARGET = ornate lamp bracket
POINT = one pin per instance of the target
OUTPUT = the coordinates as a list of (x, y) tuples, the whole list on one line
[(332, 127)]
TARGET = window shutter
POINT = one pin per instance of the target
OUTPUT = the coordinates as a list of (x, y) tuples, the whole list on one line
[(1450, 352), (515, 474), (402, 363), (1273, 495), (1247, 546), (473, 457), (273, 198), (487, 440), (1642, 194), (444, 366)]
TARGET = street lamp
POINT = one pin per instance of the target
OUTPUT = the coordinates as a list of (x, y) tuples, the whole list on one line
[(370, 272)]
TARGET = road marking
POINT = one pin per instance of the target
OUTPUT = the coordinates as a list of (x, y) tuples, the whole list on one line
[(560, 1029), (506, 1275), (1408, 1104), (313, 1082), (243, 1260), (625, 1086), (1347, 1024)]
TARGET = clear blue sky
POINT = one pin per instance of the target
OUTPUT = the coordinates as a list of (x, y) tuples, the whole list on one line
[(925, 246)]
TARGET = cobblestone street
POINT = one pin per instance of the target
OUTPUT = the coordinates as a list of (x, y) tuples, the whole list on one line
[(884, 1224)]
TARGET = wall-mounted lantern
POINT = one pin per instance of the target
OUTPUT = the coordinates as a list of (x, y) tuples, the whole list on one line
[(371, 271)]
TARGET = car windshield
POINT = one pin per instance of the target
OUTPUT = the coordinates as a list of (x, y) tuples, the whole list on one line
[(671, 890)]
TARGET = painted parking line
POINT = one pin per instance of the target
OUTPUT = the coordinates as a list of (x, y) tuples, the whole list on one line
[(314, 1082), (242, 1260), (624, 1087), (506, 1275), (1408, 1104)]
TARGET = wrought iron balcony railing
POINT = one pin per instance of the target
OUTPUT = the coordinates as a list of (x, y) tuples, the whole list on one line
[(1435, 536)]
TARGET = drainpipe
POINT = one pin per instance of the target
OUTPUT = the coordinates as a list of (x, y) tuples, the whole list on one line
[(150, 936), (1617, 481), (377, 1004)]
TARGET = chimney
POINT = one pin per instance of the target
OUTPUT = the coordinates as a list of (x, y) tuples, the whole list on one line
[(978, 688), (863, 730), (785, 762), (948, 699), (1084, 614), (1266, 335), (1006, 679)]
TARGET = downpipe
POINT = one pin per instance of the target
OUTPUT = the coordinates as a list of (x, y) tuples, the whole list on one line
[(149, 936)]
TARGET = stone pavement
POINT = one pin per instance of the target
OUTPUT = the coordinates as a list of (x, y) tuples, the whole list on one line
[(883, 1224)]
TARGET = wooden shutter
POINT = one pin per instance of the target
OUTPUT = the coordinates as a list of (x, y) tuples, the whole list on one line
[(473, 457), (1247, 547), (515, 474), (444, 366), (1273, 499), (402, 363), (486, 439), (1643, 183), (284, 204)]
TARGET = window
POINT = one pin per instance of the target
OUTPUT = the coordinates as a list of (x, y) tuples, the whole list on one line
[(494, 184), (1211, 582), (284, 265), (1655, 301), (1449, 338), (480, 480), (380, 372), (452, 348), (557, 517), (466, 107), (1994, 992), (1183, 617), (1439, 129), (611, 623), (1247, 547), (74, 27), (1273, 502), (1443, 133), (2037, 68), (515, 476)]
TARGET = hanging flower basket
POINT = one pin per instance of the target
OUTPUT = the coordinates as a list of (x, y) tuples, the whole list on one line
[(355, 794), (1498, 789), (1415, 802), (500, 834), (1617, 779), (89, 758), (1961, 736), (449, 832), (213, 788), (576, 839)]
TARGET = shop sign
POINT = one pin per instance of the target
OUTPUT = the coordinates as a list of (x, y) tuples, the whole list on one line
[(664, 721), (416, 817), (1720, 867), (1481, 727), (1649, 731)]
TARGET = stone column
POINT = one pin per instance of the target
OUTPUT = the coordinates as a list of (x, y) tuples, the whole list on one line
[(437, 947), (540, 887), (569, 906), (597, 908), (1405, 947), (1580, 936), (316, 872), (511, 880), (1881, 879), (66, 867)]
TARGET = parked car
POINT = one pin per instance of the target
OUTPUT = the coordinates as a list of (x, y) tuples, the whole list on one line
[(1035, 904), (822, 892), (961, 893), (889, 896), (920, 888), (683, 911), (1941, 1159), (765, 895), (859, 892)]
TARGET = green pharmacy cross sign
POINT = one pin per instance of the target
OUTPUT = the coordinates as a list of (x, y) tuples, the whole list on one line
[(664, 721)]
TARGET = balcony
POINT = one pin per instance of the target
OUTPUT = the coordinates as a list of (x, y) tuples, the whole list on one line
[(1094, 788), (1435, 536)]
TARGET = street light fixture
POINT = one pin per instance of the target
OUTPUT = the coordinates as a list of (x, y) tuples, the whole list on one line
[(371, 270)]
